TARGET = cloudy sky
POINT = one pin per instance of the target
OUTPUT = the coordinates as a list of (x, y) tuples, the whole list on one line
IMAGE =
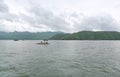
[(59, 15)]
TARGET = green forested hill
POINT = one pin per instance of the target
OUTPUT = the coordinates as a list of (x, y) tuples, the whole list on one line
[(26, 35), (89, 35)]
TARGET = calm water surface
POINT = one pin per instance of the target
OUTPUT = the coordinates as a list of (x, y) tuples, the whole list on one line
[(60, 59)]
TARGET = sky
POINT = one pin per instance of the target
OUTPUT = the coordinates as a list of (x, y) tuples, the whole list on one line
[(59, 15)]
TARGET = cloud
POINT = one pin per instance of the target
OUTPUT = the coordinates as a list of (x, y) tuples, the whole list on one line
[(3, 6), (37, 18), (5, 17), (5, 14), (42, 18), (97, 23)]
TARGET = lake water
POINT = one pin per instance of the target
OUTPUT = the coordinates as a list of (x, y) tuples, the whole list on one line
[(60, 59)]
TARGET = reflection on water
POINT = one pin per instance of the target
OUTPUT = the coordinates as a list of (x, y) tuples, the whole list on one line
[(60, 59)]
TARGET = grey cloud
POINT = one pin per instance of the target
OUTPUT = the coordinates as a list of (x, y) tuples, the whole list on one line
[(41, 16), (49, 19), (104, 23), (9, 17), (2, 26), (3, 6), (5, 14)]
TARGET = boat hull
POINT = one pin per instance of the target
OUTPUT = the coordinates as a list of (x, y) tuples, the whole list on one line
[(43, 43)]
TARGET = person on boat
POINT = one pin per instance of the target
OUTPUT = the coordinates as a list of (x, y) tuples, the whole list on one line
[(41, 42), (46, 42)]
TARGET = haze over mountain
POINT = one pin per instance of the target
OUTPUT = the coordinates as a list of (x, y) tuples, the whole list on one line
[(26, 35), (59, 15)]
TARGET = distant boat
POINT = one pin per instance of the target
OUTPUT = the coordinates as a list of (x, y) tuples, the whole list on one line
[(16, 40)]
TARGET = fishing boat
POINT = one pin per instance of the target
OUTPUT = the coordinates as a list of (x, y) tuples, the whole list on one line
[(44, 42)]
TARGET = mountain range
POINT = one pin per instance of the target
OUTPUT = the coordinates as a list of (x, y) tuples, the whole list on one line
[(82, 35), (88, 35)]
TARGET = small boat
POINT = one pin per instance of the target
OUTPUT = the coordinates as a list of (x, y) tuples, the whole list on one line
[(44, 42)]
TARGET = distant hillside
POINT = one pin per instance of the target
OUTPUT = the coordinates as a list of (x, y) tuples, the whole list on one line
[(26, 35), (88, 35)]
